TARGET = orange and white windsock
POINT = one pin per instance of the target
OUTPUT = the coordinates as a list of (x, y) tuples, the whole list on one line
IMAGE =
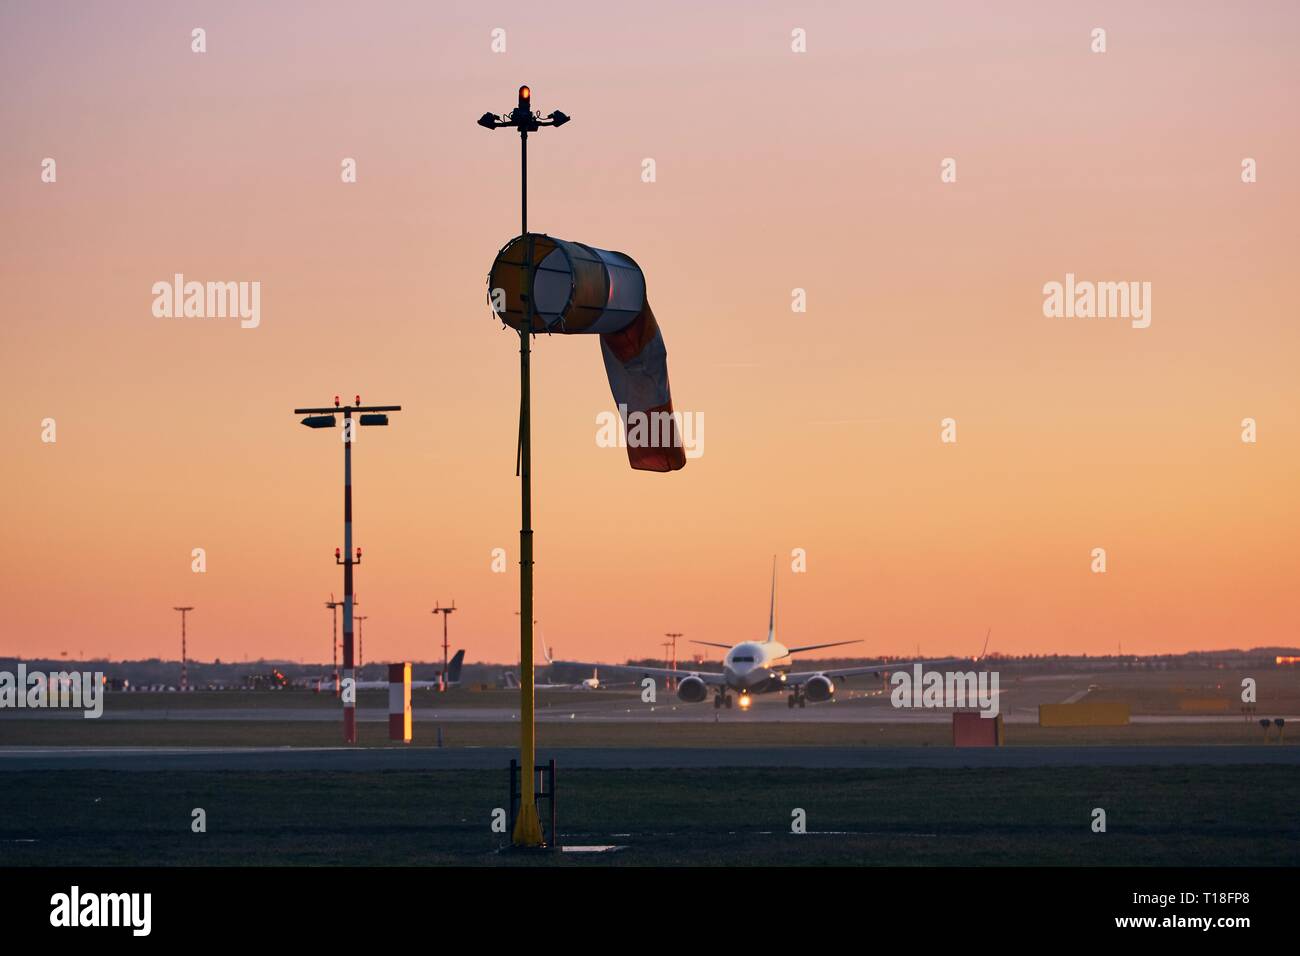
[(399, 702), (576, 289)]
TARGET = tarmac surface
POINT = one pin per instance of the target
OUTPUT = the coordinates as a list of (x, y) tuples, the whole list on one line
[(153, 759), (603, 711), (615, 710)]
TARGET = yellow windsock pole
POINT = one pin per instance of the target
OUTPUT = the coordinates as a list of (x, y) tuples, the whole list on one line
[(528, 828), (572, 288)]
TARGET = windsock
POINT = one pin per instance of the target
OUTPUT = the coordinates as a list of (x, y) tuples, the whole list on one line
[(578, 289)]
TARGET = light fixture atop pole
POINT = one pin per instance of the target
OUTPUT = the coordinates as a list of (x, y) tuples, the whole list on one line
[(185, 670), (361, 639), (672, 636), (334, 606), (445, 612), (367, 415)]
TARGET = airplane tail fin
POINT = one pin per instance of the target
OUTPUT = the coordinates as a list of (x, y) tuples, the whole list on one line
[(771, 618), (453, 667), (511, 681)]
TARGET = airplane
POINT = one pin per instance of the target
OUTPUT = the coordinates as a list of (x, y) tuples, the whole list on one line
[(591, 683), (753, 667), (511, 681), (453, 677)]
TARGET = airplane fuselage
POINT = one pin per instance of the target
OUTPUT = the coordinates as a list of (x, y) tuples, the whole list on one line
[(751, 667)]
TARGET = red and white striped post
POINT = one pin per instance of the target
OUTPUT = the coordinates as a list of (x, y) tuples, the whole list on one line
[(399, 702)]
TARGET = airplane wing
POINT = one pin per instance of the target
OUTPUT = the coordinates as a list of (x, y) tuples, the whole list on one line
[(708, 677), (798, 677), (818, 647)]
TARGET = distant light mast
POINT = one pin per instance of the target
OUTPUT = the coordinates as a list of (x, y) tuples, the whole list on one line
[(185, 670), (367, 415), (445, 612)]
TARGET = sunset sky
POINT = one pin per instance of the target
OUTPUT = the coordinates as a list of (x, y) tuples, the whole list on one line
[(775, 170)]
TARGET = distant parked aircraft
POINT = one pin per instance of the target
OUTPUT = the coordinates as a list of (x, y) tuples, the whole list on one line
[(453, 677)]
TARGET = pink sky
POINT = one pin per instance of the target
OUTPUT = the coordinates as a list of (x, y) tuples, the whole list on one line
[(775, 171)]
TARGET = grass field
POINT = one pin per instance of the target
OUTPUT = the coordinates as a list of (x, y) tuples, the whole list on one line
[(1187, 816), (237, 733), (1166, 692)]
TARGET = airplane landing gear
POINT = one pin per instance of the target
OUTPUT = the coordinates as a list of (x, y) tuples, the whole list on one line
[(727, 701), (796, 699)]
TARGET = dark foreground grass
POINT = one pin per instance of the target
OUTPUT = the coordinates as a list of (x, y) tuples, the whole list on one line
[(1184, 816)]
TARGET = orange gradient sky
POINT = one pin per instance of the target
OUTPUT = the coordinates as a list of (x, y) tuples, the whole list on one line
[(775, 170)]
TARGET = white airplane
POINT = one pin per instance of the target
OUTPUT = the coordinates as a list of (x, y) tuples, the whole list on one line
[(591, 683), (752, 667)]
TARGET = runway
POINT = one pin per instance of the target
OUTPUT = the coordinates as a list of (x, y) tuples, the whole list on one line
[(597, 712), (849, 711), (255, 759)]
